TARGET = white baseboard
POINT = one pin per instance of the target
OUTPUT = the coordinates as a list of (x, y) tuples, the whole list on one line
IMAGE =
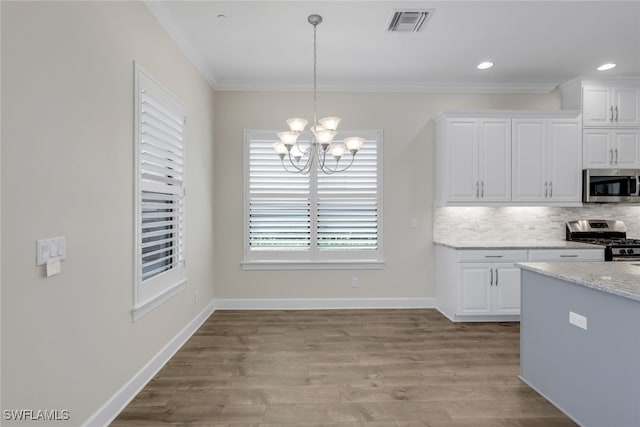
[(322, 303), (110, 410)]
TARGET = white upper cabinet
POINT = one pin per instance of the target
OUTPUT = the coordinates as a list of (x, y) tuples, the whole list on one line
[(611, 148), (564, 170), (547, 161), (494, 152), (529, 160), (474, 158), (610, 105), (504, 157)]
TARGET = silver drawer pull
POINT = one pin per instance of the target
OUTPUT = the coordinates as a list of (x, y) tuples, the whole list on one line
[(494, 256), (569, 256)]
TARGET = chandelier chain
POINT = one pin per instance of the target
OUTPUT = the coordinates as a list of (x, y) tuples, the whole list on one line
[(315, 74)]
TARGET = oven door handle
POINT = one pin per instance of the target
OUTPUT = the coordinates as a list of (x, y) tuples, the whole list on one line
[(637, 192)]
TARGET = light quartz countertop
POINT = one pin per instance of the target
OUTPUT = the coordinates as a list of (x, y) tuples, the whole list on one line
[(514, 244), (617, 278)]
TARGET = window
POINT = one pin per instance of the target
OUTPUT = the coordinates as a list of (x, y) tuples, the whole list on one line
[(160, 192), (312, 219)]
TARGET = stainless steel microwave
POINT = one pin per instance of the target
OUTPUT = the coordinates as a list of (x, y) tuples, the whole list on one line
[(611, 186)]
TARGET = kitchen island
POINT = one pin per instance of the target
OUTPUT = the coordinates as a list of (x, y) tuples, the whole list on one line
[(580, 339)]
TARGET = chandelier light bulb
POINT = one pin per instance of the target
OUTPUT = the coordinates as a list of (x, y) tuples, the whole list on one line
[(280, 149), (296, 153), (325, 136), (297, 124), (338, 150), (330, 123), (288, 138), (354, 143)]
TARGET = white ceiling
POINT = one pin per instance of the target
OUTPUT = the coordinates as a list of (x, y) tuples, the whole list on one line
[(535, 45)]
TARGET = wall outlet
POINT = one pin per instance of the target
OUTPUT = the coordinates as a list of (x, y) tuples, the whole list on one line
[(355, 282), (578, 320), (196, 297), (413, 223)]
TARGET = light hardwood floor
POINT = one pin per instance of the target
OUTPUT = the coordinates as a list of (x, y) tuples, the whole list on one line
[(369, 368)]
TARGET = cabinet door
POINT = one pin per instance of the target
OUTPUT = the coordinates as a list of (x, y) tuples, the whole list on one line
[(597, 151), (506, 289), (462, 145), (529, 160), (597, 108), (495, 160), (564, 161), (473, 289), (625, 148), (626, 106)]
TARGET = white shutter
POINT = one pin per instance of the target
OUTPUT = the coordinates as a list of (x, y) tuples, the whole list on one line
[(279, 205), (315, 217), (160, 166), (347, 204)]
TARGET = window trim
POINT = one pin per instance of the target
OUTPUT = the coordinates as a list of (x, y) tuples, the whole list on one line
[(299, 260), (164, 286)]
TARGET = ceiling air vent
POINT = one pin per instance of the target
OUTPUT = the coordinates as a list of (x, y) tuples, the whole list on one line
[(408, 21)]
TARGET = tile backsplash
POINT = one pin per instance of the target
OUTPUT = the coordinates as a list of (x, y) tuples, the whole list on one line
[(524, 223)]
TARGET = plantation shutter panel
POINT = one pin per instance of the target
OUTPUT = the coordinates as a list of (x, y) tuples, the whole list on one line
[(161, 189), (347, 204), (279, 204)]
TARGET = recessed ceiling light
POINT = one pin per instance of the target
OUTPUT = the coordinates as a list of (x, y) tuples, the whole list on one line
[(605, 67), (485, 65)]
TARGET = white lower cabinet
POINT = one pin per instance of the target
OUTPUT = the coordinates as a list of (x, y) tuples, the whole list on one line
[(480, 285), (488, 289)]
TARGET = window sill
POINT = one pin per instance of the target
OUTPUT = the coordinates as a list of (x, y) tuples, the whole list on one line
[(313, 265), (141, 310)]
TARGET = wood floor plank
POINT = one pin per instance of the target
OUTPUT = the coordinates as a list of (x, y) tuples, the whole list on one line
[(343, 368)]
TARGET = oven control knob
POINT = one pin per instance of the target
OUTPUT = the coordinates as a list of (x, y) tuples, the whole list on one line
[(629, 251), (623, 251)]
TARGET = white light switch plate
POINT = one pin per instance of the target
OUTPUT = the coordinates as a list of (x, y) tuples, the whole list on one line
[(54, 249)]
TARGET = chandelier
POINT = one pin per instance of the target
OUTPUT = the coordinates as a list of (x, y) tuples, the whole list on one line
[(305, 155)]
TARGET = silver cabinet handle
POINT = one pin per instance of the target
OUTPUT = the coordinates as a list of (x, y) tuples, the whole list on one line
[(546, 189), (616, 151), (610, 155), (482, 189), (477, 189), (569, 256), (611, 111), (496, 277), (550, 188), (493, 256), (491, 283), (616, 113)]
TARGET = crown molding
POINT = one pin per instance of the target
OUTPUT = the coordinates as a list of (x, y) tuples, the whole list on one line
[(394, 87)]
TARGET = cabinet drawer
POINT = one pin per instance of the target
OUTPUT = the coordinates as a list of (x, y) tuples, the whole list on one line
[(482, 255), (566, 255)]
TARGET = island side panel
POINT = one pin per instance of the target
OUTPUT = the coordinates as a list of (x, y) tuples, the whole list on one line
[(592, 375)]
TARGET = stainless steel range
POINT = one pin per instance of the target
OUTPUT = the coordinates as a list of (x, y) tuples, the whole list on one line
[(610, 234)]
